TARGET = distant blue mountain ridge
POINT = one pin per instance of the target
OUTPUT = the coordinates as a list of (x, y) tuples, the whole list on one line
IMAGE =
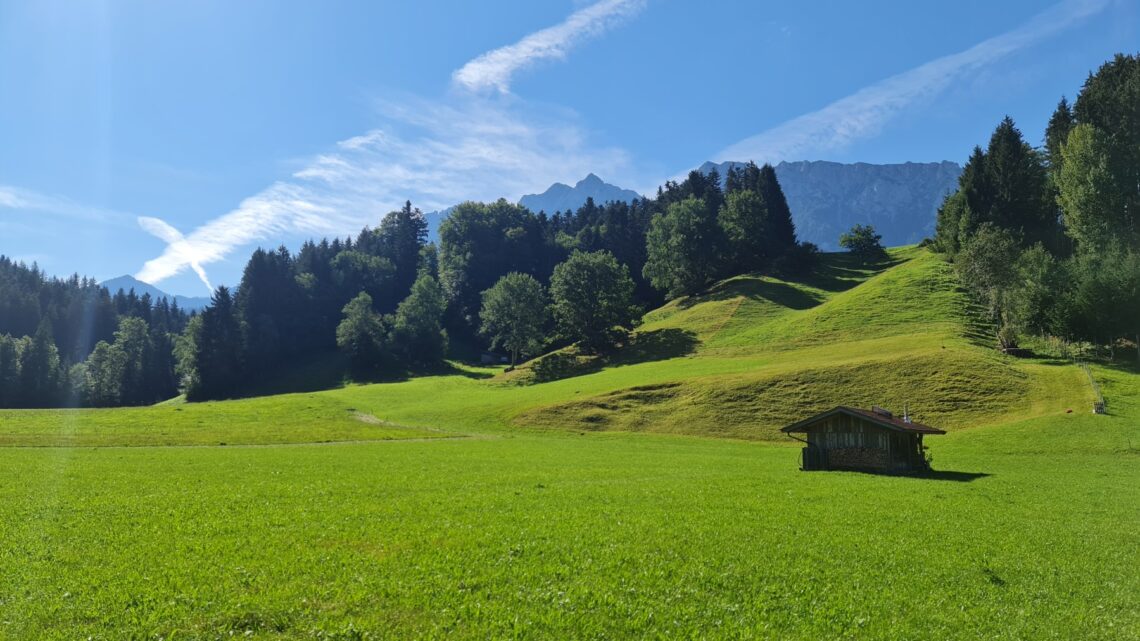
[(826, 198), (127, 283)]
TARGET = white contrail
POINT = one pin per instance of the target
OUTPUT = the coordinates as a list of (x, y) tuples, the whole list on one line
[(177, 245), (493, 70), (864, 113), (282, 208)]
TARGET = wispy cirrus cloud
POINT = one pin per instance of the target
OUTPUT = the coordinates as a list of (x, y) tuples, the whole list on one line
[(24, 200), (865, 113), (494, 69), (430, 153)]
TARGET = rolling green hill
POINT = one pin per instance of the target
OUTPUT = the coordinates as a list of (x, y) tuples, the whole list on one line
[(482, 504), (767, 352)]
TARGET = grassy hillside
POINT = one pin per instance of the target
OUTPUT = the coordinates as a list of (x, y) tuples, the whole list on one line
[(770, 352), (550, 518)]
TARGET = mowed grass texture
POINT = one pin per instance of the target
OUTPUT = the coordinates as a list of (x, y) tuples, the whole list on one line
[(545, 516)]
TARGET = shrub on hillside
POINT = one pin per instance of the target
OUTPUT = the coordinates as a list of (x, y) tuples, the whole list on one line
[(863, 240)]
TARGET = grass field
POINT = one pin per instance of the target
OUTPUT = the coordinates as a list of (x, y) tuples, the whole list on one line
[(598, 506)]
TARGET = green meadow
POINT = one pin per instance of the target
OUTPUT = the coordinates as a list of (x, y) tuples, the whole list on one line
[(647, 495)]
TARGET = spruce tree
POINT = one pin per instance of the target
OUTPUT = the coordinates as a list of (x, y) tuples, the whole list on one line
[(40, 374), (1020, 194), (781, 231), (218, 351), (9, 371), (267, 305), (976, 192), (402, 234), (1057, 132)]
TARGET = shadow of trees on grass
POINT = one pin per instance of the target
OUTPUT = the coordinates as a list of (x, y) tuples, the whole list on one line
[(655, 345), (755, 289), (844, 271), (839, 273), (331, 370), (640, 347)]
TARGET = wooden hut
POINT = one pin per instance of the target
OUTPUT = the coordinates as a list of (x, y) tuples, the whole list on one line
[(849, 438)]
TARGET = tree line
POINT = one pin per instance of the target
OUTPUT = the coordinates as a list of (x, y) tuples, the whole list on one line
[(1049, 239), (501, 277), (69, 342)]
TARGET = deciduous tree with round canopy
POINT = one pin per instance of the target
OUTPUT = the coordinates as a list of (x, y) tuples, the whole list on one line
[(514, 314), (592, 297)]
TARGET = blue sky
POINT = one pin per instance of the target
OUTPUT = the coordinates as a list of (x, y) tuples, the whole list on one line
[(169, 139)]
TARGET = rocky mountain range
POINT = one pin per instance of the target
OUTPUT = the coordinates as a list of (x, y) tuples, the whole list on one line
[(826, 198)]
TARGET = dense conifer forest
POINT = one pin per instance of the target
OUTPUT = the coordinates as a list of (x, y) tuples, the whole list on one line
[(70, 342)]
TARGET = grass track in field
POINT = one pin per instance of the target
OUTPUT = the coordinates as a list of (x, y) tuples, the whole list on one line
[(291, 418)]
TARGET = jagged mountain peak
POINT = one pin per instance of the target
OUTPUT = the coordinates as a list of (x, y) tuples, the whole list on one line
[(561, 197)]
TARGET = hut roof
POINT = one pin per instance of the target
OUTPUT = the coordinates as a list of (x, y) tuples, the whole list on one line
[(882, 419)]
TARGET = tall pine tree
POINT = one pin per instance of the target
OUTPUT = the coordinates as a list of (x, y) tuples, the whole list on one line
[(218, 351), (1057, 132), (781, 231), (401, 235)]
